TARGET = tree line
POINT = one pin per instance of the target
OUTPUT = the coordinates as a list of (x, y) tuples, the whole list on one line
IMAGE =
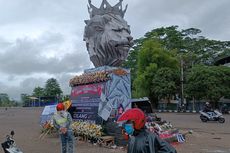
[(51, 91), (167, 59), (5, 101)]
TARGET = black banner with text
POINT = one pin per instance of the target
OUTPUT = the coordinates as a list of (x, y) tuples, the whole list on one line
[(86, 99)]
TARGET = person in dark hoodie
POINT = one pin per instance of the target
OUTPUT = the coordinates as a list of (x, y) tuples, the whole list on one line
[(207, 107), (140, 139)]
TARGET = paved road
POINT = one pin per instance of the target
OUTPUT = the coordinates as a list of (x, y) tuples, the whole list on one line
[(25, 123), (209, 137)]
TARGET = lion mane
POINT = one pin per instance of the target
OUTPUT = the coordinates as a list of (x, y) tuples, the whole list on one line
[(108, 39)]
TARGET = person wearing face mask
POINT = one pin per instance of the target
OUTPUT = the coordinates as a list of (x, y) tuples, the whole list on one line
[(140, 139)]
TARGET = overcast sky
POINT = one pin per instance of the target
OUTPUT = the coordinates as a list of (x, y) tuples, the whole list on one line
[(40, 39)]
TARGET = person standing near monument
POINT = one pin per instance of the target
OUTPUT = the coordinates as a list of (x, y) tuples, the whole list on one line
[(62, 121), (140, 139), (120, 110)]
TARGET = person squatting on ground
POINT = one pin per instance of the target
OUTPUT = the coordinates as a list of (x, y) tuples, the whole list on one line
[(140, 139), (62, 121)]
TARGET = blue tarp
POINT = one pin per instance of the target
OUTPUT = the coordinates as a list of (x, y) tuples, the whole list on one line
[(47, 113)]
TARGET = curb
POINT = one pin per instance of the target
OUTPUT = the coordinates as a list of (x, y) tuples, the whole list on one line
[(175, 111)]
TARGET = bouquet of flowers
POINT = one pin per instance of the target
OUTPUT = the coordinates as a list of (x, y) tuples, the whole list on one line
[(47, 128), (88, 78), (88, 130)]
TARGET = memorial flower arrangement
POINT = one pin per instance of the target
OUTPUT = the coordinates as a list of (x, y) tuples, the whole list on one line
[(47, 128), (95, 77), (119, 72), (88, 78), (88, 130), (166, 131)]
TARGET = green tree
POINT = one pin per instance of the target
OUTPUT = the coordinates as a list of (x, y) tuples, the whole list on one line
[(208, 82), (4, 100), (131, 62), (52, 88), (165, 83), (151, 58), (186, 43), (25, 99), (65, 97), (38, 92)]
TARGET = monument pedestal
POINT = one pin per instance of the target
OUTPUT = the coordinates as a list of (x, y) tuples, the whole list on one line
[(98, 92)]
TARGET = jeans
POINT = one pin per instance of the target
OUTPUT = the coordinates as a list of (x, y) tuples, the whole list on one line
[(67, 142)]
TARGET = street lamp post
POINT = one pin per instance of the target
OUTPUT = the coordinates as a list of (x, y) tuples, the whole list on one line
[(193, 108), (182, 82)]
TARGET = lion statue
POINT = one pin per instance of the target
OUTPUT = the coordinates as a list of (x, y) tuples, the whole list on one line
[(107, 35)]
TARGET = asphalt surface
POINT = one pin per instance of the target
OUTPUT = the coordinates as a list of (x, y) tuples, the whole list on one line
[(211, 137)]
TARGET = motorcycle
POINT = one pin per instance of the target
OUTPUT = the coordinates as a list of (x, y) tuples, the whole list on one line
[(9, 146), (212, 116)]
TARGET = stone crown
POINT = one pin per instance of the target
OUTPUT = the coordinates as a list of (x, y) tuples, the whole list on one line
[(106, 8)]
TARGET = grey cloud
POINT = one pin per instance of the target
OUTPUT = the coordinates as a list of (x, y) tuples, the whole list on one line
[(28, 84), (211, 16), (63, 80), (15, 91), (25, 57), (215, 21), (141, 15), (4, 44), (49, 38), (51, 10)]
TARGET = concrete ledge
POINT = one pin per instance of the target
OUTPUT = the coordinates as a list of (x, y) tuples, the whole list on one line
[(176, 111)]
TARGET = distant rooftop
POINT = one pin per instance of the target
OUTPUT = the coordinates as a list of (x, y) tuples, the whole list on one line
[(223, 61)]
